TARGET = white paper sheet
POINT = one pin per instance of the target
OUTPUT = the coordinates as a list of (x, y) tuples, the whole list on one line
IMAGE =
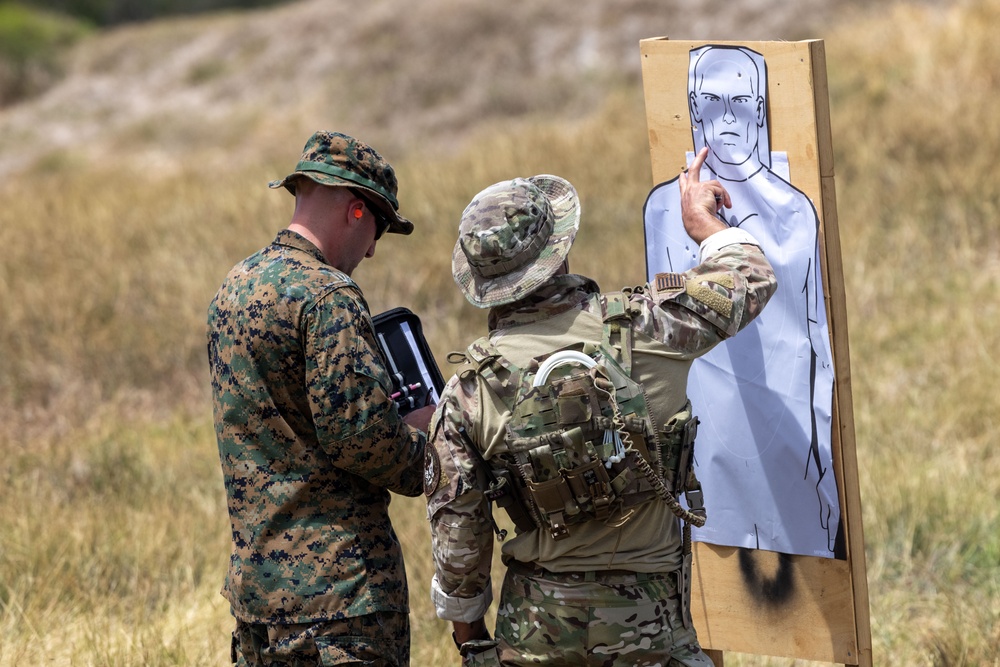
[(764, 398)]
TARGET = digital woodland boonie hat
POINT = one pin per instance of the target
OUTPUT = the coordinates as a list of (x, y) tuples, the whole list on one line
[(332, 158), (513, 237)]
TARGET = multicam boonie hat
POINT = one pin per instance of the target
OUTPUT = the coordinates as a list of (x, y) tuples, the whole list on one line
[(514, 236), (332, 158)]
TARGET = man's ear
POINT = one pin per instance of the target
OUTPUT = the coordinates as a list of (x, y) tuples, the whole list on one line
[(355, 210), (760, 112)]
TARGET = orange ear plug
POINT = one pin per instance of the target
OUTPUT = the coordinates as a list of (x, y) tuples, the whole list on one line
[(358, 213)]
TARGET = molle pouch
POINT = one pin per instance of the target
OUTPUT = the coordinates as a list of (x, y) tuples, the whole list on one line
[(564, 403), (591, 488), (642, 439), (633, 410), (688, 433), (547, 459), (629, 481), (416, 378), (677, 449), (555, 502), (508, 496), (575, 400), (579, 435)]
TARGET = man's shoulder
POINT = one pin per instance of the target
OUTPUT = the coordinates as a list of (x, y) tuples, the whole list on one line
[(298, 275), (294, 285), (285, 263)]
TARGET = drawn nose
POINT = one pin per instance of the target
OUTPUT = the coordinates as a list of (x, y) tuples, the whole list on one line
[(729, 116)]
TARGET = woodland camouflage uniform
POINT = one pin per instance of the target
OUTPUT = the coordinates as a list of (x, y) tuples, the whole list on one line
[(310, 443), (611, 592)]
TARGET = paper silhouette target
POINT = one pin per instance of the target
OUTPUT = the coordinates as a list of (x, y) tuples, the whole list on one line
[(764, 453)]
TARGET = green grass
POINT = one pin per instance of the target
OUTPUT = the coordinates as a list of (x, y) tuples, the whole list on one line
[(113, 530)]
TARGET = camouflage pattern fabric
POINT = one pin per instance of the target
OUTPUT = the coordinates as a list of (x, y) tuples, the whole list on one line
[(339, 160), (666, 317), (309, 441), (613, 620), (668, 311), (513, 236), (379, 640)]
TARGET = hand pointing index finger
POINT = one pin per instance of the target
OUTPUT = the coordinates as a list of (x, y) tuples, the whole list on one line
[(700, 201), (695, 168), (692, 174), (690, 184)]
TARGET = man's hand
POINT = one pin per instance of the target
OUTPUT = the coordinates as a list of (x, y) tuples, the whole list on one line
[(420, 418), (701, 201)]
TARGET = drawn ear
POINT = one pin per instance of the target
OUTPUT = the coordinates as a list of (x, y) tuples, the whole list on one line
[(760, 112), (693, 102)]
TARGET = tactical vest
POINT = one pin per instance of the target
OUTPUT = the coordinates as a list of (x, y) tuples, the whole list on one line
[(581, 442)]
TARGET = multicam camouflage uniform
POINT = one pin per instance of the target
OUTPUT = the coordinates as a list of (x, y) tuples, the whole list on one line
[(310, 445), (610, 592)]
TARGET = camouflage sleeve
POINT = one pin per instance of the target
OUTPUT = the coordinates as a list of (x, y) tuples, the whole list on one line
[(695, 310), (461, 535), (348, 391)]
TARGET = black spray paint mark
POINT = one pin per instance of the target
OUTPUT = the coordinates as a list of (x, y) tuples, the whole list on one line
[(773, 591)]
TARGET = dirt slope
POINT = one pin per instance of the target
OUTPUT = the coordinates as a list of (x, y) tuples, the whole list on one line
[(399, 73)]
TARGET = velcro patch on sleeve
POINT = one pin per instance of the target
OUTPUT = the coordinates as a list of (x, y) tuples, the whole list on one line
[(719, 278), (667, 285), (706, 295)]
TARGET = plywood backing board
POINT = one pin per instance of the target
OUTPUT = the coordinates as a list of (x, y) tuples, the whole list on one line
[(757, 601)]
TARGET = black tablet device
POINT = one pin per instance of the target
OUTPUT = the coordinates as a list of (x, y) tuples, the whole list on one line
[(416, 378)]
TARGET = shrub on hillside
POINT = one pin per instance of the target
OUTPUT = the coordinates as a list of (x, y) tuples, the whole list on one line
[(31, 43), (110, 12)]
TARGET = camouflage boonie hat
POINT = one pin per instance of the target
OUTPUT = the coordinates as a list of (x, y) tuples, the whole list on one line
[(514, 236), (335, 159)]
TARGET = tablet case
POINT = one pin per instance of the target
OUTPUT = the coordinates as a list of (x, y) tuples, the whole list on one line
[(416, 378)]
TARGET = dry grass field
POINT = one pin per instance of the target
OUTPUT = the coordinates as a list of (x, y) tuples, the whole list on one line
[(130, 189)]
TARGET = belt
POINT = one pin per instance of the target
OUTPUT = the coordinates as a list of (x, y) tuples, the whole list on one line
[(536, 571)]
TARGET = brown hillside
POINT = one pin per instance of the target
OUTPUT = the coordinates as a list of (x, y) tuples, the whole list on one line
[(241, 86)]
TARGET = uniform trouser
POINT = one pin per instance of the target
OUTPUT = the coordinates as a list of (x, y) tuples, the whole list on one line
[(593, 619), (381, 640)]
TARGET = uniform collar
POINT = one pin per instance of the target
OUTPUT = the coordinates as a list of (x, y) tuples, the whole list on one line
[(557, 295), (290, 239)]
